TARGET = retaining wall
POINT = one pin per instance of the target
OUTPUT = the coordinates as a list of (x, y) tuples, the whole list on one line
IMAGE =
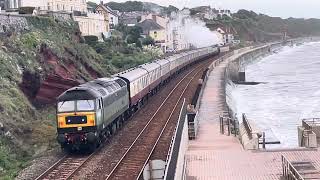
[(10, 23)]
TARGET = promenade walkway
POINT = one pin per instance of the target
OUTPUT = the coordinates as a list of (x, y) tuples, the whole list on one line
[(214, 156)]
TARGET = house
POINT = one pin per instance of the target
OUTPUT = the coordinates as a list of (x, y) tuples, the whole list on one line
[(92, 24), (89, 23), (176, 39), (131, 18), (2, 5), (162, 21), (67, 5), (153, 29), (226, 35), (205, 12), (222, 12), (111, 15), (49, 5)]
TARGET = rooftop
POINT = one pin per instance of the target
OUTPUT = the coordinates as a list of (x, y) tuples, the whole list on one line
[(150, 24)]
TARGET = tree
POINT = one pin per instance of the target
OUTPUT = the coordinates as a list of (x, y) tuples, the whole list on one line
[(148, 41), (170, 9), (126, 6), (130, 34)]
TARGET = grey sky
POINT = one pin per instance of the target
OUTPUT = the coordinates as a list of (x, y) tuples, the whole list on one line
[(282, 8)]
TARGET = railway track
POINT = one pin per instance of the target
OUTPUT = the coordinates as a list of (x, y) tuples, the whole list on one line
[(109, 162), (163, 145), (137, 155), (65, 167)]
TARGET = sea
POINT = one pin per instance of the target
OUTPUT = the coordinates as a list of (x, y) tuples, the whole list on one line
[(289, 92)]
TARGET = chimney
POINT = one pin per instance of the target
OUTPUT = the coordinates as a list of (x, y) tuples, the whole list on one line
[(101, 2), (154, 17)]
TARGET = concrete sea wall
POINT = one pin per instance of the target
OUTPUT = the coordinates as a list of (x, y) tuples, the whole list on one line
[(249, 133)]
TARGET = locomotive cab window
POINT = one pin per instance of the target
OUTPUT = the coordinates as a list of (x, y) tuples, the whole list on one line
[(85, 105), (66, 106)]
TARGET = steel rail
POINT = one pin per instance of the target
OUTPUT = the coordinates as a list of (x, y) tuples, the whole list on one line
[(168, 120), (111, 174), (70, 172)]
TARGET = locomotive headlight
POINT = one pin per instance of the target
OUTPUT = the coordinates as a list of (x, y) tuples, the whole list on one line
[(60, 121), (91, 121)]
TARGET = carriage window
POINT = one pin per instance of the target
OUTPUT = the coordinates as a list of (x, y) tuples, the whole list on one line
[(66, 106), (85, 105), (117, 85)]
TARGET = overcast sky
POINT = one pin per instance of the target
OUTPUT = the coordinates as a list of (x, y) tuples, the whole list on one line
[(282, 8)]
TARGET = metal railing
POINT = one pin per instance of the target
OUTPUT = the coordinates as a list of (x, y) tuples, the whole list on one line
[(247, 125), (172, 156), (232, 124), (309, 123), (289, 172)]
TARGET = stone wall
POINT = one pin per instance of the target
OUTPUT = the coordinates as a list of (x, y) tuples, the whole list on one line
[(13, 23)]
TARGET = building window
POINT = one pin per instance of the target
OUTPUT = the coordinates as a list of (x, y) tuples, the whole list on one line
[(155, 34)]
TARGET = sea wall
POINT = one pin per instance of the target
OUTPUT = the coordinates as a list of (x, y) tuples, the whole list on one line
[(235, 74), (249, 134)]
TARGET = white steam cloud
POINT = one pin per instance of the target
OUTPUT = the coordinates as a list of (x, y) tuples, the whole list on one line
[(193, 30), (199, 35)]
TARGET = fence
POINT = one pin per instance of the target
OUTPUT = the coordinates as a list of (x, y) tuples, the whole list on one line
[(247, 126), (175, 158), (289, 172)]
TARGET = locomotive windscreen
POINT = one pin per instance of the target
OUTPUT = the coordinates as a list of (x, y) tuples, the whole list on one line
[(77, 95)]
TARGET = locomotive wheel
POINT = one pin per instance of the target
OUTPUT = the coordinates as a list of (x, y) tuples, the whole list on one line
[(114, 128)]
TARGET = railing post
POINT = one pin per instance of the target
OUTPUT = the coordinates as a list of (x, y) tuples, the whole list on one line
[(234, 127), (264, 140), (228, 126), (221, 125)]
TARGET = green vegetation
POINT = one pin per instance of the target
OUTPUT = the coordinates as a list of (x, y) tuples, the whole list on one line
[(124, 48), (10, 161), (250, 26), (148, 41), (126, 6), (141, 6)]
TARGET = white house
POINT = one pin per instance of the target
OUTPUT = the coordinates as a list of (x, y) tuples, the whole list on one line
[(89, 23), (206, 12), (226, 12), (51, 5), (226, 36), (2, 5), (111, 15), (176, 39)]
